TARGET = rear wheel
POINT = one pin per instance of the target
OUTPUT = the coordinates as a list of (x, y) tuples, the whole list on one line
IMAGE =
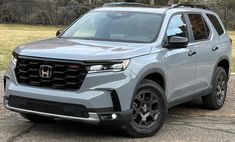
[(149, 110), (37, 118), (216, 99)]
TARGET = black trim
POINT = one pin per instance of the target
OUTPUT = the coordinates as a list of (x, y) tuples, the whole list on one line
[(216, 65), (106, 109), (59, 108), (190, 5), (45, 59), (122, 119), (5, 78), (190, 32), (144, 75), (190, 97), (115, 100), (125, 4), (86, 63)]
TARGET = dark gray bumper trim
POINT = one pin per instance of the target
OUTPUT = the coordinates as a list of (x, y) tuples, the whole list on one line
[(93, 117)]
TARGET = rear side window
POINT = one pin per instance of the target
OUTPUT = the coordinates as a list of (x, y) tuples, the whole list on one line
[(200, 29), (216, 24)]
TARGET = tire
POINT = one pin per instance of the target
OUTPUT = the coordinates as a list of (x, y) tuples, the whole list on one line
[(149, 110), (37, 118), (216, 99)]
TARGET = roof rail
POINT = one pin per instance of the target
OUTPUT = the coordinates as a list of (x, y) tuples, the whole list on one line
[(125, 4), (189, 5)]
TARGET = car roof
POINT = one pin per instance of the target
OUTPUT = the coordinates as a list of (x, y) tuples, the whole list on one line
[(158, 10), (134, 9)]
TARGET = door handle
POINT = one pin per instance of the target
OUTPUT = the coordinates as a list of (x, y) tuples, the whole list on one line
[(215, 48), (192, 53)]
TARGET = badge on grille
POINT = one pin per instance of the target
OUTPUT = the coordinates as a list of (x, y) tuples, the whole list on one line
[(45, 71)]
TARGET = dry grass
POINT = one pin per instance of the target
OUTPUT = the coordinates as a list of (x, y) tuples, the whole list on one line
[(12, 35), (232, 35)]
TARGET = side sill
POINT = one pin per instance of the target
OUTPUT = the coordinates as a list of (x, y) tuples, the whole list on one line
[(189, 98)]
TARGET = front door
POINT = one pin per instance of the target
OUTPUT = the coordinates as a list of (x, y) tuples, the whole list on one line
[(181, 63)]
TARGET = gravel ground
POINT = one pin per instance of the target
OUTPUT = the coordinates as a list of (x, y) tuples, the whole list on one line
[(187, 122)]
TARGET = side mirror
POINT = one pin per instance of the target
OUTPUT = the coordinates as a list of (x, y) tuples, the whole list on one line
[(177, 42), (58, 32)]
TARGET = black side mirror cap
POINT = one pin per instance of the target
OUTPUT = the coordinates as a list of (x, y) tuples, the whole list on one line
[(177, 42), (59, 32)]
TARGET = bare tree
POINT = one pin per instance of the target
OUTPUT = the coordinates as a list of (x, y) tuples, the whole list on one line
[(170, 2), (152, 2)]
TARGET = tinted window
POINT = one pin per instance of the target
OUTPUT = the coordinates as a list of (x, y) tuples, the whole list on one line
[(199, 27), (177, 26), (116, 26), (216, 24)]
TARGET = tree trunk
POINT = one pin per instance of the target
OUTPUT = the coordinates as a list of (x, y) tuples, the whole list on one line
[(152, 2), (90, 1), (170, 2)]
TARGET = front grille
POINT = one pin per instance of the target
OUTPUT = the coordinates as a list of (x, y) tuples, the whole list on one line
[(73, 110), (63, 75)]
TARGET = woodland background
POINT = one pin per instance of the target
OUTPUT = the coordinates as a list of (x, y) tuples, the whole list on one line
[(63, 12)]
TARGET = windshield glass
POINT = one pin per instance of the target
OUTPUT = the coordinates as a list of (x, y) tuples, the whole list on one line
[(116, 26)]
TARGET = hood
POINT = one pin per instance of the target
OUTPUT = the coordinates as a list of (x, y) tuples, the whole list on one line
[(73, 49)]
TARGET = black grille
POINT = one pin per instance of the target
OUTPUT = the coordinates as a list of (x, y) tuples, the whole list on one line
[(66, 76), (73, 110)]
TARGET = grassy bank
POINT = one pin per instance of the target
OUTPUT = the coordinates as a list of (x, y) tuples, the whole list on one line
[(232, 35), (12, 35)]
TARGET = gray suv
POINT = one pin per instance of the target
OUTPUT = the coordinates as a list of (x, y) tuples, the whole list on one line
[(123, 64)]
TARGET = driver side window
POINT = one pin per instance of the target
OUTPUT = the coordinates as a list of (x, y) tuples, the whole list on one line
[(177, 26)]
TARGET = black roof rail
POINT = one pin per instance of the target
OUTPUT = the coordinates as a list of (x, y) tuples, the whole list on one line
[(189, 5), (133, 4), (125, 4)]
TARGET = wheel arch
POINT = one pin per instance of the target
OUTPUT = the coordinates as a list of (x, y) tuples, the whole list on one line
[(155, 74), (224, 63)]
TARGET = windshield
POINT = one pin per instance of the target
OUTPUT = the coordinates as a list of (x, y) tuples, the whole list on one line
[(116, 26)]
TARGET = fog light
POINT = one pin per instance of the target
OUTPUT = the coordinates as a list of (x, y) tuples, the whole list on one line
[(5, 100), (114, 116)]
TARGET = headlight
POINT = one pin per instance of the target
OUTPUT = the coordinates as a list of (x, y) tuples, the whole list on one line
[(104, 67), (14, 59)]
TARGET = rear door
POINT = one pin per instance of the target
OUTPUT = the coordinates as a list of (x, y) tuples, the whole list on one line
[(204, 46), (220, 39), (222, 44)]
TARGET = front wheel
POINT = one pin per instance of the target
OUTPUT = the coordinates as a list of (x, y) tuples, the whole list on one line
[(149, 110)]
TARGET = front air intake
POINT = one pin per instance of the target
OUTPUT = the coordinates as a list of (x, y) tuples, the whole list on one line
[(50, 74)]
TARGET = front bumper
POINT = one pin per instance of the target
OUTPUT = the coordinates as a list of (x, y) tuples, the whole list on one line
[(104, 118), (105, 95)]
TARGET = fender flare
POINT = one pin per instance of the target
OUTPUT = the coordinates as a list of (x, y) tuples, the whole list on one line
[(216, 65), (145, 74)]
